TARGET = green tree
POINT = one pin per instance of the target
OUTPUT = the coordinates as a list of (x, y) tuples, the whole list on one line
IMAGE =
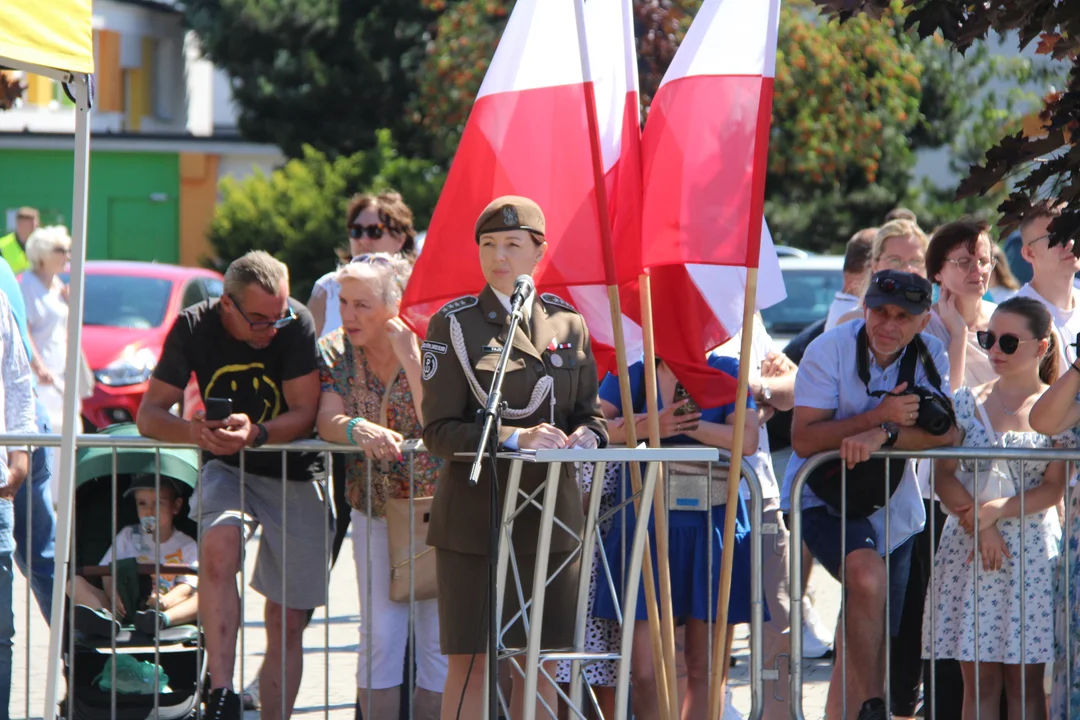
[(865, 96), (845, 103), (297, 212), (325, 73), (1041, 163)]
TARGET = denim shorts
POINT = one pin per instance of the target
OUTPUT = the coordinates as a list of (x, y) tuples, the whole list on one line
[(822, 534)]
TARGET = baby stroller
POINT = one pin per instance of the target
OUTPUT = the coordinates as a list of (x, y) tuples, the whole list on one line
[(87, 665)]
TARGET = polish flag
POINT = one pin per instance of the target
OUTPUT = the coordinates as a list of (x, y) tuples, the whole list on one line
[(528, 135), (613, 72), (704, 154)]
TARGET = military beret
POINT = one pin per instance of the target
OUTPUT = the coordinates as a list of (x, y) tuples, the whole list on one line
[(510, 212)]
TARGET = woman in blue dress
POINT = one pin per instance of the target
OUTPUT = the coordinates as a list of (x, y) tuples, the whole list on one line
[(689, 537)]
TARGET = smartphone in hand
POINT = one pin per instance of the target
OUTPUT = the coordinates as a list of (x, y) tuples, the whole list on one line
[(218, 408), (690, 407)]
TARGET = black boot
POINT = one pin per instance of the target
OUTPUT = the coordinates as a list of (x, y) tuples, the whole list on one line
[(873, 709), (223, 704)]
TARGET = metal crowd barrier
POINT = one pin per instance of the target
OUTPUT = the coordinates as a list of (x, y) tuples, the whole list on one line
[(578, 700), (1070, 457)]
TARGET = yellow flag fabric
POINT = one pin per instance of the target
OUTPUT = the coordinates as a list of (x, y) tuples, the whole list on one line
[(53, 33)]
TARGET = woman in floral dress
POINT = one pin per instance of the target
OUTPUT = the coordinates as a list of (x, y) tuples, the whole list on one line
[(371, 397), (973, 610)]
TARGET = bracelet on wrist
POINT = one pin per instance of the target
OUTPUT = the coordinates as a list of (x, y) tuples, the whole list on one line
[(349, 427)]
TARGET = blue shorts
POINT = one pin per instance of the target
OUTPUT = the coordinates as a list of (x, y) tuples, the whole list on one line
[(822, 535)]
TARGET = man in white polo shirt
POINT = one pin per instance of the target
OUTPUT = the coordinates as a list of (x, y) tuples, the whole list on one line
[(1052, 269), (858, 406)]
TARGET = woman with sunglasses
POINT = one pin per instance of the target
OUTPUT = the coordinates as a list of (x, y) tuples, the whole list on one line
[(380, 223), (979, 577), (550, 393)]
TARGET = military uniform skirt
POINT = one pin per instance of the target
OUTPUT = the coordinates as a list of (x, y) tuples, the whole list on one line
[(463, 602)]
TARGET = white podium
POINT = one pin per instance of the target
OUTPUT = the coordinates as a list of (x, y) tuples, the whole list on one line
[(543, 498)]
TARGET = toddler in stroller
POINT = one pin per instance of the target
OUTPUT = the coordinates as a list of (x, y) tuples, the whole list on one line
[(172, 600), (146, 669)]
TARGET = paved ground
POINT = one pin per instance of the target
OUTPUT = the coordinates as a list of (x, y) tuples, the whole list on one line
[(332, 693)]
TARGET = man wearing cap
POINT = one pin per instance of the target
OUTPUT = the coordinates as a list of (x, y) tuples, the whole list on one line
[(837, 407), (550, 389)]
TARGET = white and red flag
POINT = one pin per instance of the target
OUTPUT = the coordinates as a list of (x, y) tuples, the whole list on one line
[(704, 155), (528, 135)]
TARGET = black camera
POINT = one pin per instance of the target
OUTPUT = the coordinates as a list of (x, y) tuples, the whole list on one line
[(935, 412)]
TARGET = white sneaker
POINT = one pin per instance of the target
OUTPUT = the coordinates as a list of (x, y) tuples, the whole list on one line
[(816, 642), (730, 713)]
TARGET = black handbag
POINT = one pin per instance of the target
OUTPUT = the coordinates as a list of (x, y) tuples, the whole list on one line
[(865, 489)]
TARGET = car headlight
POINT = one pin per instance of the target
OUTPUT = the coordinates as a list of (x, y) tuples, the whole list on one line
[(131, 368)]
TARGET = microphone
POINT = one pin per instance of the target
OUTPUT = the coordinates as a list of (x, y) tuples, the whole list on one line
[(523, 288)]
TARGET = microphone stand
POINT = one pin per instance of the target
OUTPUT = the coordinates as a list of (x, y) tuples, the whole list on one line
[(490, 416)]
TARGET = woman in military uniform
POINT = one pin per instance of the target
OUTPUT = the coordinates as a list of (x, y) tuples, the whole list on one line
[(550, 388)]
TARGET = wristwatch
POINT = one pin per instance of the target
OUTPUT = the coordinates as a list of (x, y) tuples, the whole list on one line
[(262, 437), (766, 393), (892, 432)]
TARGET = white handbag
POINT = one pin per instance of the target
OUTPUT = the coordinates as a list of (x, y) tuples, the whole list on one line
[(994, 482)]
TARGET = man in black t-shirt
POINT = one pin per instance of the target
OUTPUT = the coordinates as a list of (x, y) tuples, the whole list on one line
[(256, 347)]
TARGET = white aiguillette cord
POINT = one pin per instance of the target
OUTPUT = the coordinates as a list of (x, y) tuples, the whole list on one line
[(546, 385)]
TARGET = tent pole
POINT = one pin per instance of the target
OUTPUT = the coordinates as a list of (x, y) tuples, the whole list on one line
[(72, 420)]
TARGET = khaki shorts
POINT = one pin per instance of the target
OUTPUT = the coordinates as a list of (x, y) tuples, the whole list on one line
[(293, 563)]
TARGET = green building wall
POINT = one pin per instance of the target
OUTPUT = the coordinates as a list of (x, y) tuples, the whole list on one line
[(134, 199)]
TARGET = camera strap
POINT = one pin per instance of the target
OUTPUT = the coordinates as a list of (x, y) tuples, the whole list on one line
[(915, 351)]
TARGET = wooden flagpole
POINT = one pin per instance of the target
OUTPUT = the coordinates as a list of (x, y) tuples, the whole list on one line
[(667, 615), (615, 305), (663, 692), (720, 639)]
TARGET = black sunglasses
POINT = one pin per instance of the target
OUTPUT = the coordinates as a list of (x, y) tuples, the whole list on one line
[(260, 325), (1008, 343), (913, 293), (374, 232)]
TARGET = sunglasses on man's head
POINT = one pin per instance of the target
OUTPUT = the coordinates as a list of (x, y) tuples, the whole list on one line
[(913, 293), (1008, 342)]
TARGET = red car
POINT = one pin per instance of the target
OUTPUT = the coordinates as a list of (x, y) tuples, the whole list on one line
[(130, 308)]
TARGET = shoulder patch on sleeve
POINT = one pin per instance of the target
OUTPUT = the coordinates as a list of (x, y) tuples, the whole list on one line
[(465, 301), (552, 299)]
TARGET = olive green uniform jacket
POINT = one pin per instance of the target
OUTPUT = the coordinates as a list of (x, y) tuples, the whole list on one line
[(555, 344)]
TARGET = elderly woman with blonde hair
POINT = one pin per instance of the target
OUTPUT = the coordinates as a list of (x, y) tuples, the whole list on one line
[(46, 295), (371, 397)]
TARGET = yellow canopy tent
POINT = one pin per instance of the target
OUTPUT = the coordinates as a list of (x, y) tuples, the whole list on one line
[(54, 38)]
